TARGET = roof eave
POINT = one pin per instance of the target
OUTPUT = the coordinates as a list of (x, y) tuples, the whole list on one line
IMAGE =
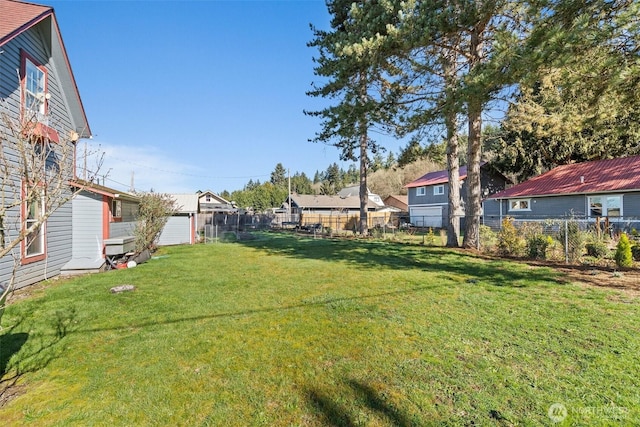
[(69, 82), (581, 193), (6, 39)]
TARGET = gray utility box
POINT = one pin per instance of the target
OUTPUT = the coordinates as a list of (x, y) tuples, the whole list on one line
[(119, 245)]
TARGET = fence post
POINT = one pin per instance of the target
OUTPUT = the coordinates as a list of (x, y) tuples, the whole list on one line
[(478, 235), (566, 241)]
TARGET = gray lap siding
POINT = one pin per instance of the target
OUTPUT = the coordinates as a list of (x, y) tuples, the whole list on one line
[(557, 207), (35, 42)]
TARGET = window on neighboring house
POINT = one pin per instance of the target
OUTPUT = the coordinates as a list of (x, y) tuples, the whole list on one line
[(35, 79), (520, 205), (116, 209), (438, 190), (208, 198), (34, 211), (605, 206), (421, 191)]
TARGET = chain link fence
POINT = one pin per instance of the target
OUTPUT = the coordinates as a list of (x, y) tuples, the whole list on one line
[(568, 240), (572, 240), (228, 227)]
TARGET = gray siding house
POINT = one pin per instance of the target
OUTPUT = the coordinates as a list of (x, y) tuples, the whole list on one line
[(428, 196), (100, 214), (43, 95), (599, 190)]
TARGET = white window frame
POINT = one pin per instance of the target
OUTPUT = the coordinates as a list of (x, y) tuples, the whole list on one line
[(605, 205), (35, 83), (39, 233), (116, 208), (519, 203), (421, 191), (438, 190)]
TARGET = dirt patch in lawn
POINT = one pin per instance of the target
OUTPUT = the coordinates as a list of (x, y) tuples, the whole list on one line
[(626, 280), (10, 391)]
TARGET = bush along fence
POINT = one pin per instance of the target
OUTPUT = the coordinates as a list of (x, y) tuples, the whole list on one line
[(612, 242)]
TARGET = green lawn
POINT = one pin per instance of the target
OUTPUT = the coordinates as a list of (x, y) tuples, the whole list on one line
[(288, 331)]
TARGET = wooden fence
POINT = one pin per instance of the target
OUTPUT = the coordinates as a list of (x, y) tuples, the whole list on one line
[(346, 221)]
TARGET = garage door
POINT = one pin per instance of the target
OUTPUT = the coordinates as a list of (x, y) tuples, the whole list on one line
[(177, 231), (426, 216)]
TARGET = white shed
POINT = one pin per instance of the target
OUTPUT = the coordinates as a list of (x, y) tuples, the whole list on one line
[(181, 227)]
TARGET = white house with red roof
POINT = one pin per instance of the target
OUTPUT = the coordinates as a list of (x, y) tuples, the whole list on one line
[(37, 87), (598, 189), (428, 196)]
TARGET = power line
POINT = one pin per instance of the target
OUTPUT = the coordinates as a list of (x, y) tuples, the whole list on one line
[(185, 173)]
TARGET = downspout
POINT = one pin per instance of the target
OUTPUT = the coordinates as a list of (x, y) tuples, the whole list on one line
[(105, 224)]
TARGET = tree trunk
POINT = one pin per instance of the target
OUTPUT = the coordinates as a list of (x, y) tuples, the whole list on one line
[(473, 206), (364, 160), (364, 194), (453, 162)]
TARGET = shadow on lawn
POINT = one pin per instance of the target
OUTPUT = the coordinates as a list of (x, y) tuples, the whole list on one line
[(34, 352), (376, 254), (249, 312), (332, 413)]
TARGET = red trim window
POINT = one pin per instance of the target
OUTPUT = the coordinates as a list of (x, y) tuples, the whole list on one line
[(34, 247), (34, 88), (116, 210), (35, 99)]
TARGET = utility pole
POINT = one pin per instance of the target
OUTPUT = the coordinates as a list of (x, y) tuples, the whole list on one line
[(289, 200), (84, 173)]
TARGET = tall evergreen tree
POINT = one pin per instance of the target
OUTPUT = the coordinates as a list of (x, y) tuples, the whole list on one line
[(279, 176), (352, 76), (301, 184), (584, 102)]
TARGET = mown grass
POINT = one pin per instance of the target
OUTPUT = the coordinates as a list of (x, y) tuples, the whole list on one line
[(295, 331)]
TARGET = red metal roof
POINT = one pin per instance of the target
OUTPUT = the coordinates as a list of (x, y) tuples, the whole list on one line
[(434, 178), (600, 176), (17, 16)]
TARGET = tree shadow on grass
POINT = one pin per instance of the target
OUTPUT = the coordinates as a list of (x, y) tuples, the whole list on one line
[(375, 254), (33, 351), (332, 413), (329, 411), (377, 404)]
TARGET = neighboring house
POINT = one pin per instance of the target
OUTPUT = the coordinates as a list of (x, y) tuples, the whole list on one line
[(428, 196), (209, 202), (181, 226), (37, 84), (354, 191), (321, 204), (338, 213), (599, 189), (398, 201), (215, 212), (101, 216)]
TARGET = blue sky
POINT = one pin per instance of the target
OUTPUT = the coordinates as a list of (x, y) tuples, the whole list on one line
[(196, 95)]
